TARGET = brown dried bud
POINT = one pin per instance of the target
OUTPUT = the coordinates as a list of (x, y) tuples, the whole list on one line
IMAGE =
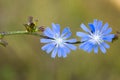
[(30, 19), (31, 25), (41, 28), (116, 36)]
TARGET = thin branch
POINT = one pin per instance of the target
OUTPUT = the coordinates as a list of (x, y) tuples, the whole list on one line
[(77, 42), (3, 34)]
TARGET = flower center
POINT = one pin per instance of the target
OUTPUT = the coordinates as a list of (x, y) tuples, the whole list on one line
[(59, 41), (96, 38)]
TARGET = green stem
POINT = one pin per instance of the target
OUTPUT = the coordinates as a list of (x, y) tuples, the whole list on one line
[(3, 34)]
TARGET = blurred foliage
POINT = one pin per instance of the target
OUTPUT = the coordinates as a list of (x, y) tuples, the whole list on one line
[(23, 59)]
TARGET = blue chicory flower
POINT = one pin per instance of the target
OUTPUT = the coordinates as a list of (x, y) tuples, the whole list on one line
[(95, 37), (57, 43)]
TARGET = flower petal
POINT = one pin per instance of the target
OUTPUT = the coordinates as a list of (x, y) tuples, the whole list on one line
[(108, 40), (85, 28), (49, 49), (109, 37), (104, 28), (99, 25), (85, 39), (96, 49), (45, 47), (54, 52), (105, 45), (92, 28), (102, 48), (65, 31), (66, 49), (86, 47), (81, 34), (95, 22), (64, 53), (71, 40), (90, 48), (56, 29), (67, 35), (45, 40), (71, 46), (82, 45), (48, 32), (60, 51), (108, 31)]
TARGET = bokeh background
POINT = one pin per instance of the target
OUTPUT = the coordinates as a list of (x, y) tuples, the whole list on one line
[(23, 59)]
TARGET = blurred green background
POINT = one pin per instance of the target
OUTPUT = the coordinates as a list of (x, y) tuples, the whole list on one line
[(23, 59)]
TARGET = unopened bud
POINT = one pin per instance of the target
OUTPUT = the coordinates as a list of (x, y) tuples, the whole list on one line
[(41, 28)]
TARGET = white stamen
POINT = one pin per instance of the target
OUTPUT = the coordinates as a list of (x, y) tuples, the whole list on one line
[(59, 41), (96, 38)]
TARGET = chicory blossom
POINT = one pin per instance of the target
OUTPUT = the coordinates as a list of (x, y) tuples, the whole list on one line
[(57, 43), (95, 36)]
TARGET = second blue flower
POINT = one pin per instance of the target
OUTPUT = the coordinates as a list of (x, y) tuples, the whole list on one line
[(95, 36)]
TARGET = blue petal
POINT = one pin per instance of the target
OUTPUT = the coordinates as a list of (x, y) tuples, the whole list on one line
[(71, 46), (64, 53), (108, 40), (108, 31), (67, 50), (71, 40), (82, 45), (109, 37), (85, 28), (67, 35), (56, 29), (45, 47), (105, 45), (85, 39), (104, 28), (102, 48), (54, 52), (95, 22), (65, 31), (60, 51), (49, 49), (90, 48), (81, 34), (48, 32), (92, 28), (87, 46), (96, 49), (45, 40), (99, 25)]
